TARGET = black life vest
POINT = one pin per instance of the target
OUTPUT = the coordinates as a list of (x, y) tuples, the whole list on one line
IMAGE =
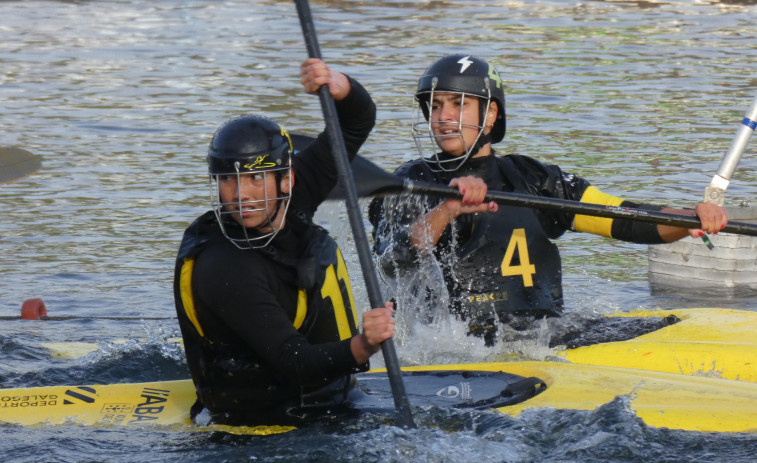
[(229, 379), (503, 263)]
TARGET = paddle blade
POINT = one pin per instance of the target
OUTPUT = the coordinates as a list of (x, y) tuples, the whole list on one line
[(370, 180), (16, 164)]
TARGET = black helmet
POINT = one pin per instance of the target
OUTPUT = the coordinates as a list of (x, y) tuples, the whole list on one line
[(249, 144), (242, 147), (465, 74)]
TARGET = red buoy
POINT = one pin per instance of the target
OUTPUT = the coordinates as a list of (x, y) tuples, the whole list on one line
[(33, 309)]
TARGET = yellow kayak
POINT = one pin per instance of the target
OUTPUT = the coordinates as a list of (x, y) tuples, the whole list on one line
[(660, 399), (717, 343), (699, 374)]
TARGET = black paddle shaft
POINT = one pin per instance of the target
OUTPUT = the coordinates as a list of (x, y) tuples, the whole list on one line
[(353, 211), (375, 181), (594, 210)]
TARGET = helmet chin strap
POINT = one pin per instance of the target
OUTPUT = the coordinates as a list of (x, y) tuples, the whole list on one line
[(483, 140)]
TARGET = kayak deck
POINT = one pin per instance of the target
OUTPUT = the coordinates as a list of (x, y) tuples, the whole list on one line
[(699, 374), (718, 343), (660, 399)]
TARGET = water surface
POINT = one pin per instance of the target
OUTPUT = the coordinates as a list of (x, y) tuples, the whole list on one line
[(120, 100)]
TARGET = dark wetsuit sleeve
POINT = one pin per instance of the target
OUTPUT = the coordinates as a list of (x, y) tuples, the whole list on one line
[(630, 230), (252, 313), (315, 170), (621, 229), (551, 181), (637, 231)]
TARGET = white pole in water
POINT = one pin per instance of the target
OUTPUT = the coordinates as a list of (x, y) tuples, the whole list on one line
[(715, 193)]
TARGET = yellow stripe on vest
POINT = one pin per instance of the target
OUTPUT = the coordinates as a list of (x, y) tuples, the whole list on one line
[(187, 299), (302, 309), (596, 225), (332, 290)]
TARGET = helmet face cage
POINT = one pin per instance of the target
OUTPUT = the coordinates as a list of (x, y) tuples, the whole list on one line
[(229, 214), (427, 142), (466, 76), (250, 149)]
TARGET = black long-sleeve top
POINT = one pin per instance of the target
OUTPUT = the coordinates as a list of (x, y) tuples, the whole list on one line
[(240, 332)]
